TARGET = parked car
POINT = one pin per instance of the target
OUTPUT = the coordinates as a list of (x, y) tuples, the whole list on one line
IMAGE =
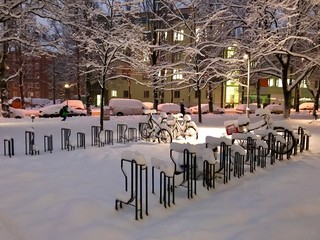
[(75, 108), (126, 106), (241, 108), (13, 112), (16, 112), (275, 108), (172, 108), (306, 106), (205, 109)]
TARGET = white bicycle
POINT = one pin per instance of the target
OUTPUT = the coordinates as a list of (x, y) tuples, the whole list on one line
[(182, 126), (155, 129)]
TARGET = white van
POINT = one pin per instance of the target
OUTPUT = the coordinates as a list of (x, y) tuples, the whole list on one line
[(125, 106)]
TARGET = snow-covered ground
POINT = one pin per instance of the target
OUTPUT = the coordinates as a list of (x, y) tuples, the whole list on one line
[(70, 195)]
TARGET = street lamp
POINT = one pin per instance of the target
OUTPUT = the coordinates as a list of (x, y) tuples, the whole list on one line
[(67, 91), (246, 57)]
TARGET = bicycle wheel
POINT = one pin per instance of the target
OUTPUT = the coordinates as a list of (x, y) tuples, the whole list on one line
[(289, 141), (145, 130), (191, 133), (164, 136)]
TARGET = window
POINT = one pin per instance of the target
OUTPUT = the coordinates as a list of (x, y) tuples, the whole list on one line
[(279, 83), (37, 85), (303, 84), (177, 74), (176, 94), (114, 93), (196, 94), (36, 65), (271, 82), (230, 52), (162, 35), (197, 34), (178, 35), (177, 56), (37, 94), (146, 94), (145, 56), (126, 94)]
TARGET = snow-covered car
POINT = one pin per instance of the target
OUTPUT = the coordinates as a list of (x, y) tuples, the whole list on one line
[(171, 108), (13, 112), (306, 106), (74, 107), (275, 108), (16, 112), (241, 108), (205, 109)]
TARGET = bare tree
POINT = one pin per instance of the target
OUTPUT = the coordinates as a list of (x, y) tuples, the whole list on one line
[(110, 38)]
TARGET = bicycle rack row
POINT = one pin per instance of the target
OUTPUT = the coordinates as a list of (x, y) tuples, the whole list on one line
[(66, 142)]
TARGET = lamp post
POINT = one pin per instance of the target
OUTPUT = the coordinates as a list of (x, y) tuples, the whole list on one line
[(67, 91), (246, 57)]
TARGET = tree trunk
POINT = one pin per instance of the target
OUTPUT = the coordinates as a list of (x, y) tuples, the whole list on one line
[(296, 98), (210, 102), (286, 92), (258, 94), (88, 95), (102, 99), (3, 83), (316, 105), (199, 104)]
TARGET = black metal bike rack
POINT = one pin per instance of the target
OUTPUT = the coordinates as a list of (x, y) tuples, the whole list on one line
[(48, 143), (208, 174), (108, 137), (135, 193), (96, 137), (65, 139), (251, 153), (188, 171), (122, 133), (29, 143), (81, 140), (8, 145)]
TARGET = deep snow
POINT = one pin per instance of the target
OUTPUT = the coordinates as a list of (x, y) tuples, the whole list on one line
[(69, 195)]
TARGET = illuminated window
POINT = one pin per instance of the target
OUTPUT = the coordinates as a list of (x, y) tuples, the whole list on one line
[(177, 74), (98, 100), (271, 82), (197, 34), (230, 52), (114, 93), (303, 84), (178, 35), (279, 83)]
